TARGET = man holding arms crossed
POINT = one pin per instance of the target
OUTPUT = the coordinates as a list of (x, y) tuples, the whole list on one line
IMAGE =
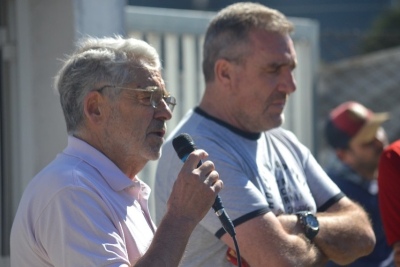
[(274, 190)]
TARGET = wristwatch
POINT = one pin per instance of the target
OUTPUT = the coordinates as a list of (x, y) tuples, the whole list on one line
[(309, 222)]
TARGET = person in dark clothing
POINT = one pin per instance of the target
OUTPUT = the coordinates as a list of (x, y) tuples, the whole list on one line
[(358, 138)]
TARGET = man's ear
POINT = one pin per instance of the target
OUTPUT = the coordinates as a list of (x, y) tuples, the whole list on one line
[(223, 72), (93, 107)]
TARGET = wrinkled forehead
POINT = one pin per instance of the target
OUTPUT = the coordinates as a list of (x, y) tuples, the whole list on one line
[(145, 77)]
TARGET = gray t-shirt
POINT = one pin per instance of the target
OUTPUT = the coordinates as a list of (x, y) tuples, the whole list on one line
[(271, 171)]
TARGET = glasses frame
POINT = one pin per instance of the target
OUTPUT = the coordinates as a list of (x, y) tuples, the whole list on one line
[(169, 99)]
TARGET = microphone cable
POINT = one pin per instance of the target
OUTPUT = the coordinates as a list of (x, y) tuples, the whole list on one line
[(239, 258)]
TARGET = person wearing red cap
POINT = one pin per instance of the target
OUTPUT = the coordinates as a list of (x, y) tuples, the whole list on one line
[(389, 197), (358, 138)]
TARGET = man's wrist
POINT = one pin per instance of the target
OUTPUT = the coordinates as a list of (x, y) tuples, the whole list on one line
[(309, 223)]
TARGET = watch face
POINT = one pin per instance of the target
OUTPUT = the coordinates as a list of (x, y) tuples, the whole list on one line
[(312, 222)]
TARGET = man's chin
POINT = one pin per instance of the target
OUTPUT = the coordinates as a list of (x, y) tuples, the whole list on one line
[(155, 155), (153, 152), (277, 121)]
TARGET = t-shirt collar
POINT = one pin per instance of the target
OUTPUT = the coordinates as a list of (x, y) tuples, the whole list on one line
[(247, 135)]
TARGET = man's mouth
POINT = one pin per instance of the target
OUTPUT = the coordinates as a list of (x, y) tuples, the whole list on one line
[(159, 133)]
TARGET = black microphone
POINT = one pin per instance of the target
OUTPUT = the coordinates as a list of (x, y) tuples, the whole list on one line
[(184, 145)]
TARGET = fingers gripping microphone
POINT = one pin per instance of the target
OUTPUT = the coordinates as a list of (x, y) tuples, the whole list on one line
[(184, 145)]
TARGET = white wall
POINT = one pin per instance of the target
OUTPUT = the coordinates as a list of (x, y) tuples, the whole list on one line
[(37, 33)]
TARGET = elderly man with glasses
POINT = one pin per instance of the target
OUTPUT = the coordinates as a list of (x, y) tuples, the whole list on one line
[(88, 207)]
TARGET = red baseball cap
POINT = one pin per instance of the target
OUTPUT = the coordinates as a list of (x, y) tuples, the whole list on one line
[(352, 122)]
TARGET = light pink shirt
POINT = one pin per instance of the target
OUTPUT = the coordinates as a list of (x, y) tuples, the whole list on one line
[(81, 210)]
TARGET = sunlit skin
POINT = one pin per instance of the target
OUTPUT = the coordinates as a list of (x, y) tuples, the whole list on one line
[(128, 139), (254, 92)]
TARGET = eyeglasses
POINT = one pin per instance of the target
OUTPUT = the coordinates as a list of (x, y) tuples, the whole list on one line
[(149, 96)]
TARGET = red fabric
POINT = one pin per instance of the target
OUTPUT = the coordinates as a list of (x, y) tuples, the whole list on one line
[(389, 191), (232, 258)]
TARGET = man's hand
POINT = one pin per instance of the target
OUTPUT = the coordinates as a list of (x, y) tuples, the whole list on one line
[(195, 189), (192, 196)]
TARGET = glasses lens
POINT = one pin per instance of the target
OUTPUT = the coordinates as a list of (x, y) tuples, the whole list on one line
[(144, 96), (171, 102), (156, 97)]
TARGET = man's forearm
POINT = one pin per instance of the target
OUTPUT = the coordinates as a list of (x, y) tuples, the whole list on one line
[(345, 232), (168, 244), (290, 224), (346, 235)]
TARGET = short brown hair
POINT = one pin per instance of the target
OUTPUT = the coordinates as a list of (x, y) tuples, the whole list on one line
[(230, 28)]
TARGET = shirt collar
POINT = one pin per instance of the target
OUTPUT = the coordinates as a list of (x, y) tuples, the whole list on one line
[(108, 170), (247, 135)]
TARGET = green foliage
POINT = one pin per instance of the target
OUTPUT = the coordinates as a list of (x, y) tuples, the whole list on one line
[(385, 32)]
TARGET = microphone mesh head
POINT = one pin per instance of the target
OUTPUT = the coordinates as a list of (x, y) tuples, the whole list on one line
[(183, 145)]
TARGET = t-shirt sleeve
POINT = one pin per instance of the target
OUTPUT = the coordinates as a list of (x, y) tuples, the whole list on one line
[(325, 192), (240, 197)]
